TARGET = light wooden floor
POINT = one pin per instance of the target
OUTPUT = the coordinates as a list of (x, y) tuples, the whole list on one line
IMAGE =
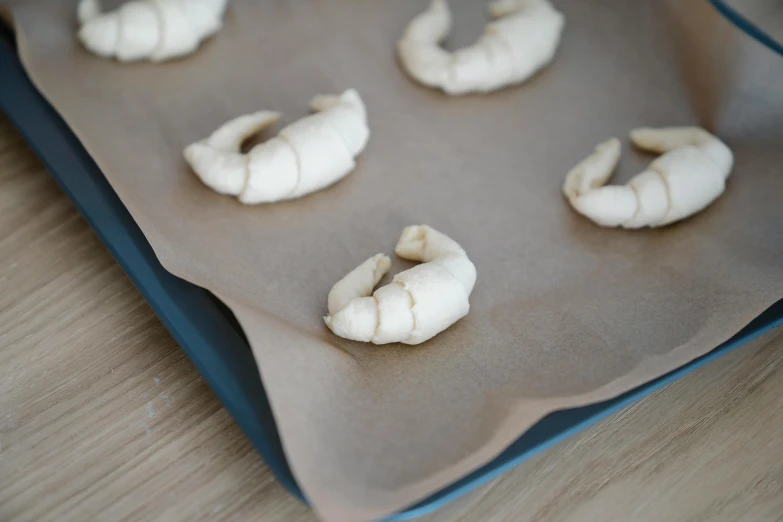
[(102, 417)]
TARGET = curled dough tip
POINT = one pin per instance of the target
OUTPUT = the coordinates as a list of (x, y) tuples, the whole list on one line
[(307, 155), (690, 174), (86, 10), (156, 30), (418, 304), (522, 38)]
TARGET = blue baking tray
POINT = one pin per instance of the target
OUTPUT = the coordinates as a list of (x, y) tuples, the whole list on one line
[(208, 332), (736, 17)]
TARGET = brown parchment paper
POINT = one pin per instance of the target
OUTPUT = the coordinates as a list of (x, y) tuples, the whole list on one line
[(564, 312)]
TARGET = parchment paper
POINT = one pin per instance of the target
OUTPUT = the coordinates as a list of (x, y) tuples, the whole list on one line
[(564, 312)]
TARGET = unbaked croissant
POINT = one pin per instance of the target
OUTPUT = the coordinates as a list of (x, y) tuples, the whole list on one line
[(522, 38), (148, 29), (418, 304), (307, 155), (689, 176)]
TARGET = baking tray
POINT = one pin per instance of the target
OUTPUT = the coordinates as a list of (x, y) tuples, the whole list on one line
[(208, 332), (739, 19)]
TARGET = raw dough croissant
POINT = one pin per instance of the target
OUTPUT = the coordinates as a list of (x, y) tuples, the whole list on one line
[(689, 176), (149, 29), (307, 155), (418, 304), (523, 38)]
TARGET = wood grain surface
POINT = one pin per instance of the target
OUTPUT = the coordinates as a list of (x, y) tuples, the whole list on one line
[(102, 417)]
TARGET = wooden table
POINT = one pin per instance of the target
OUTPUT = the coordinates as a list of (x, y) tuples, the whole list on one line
[(102, 417)]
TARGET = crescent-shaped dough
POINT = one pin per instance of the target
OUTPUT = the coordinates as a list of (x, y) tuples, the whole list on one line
[(156, 30), (521, 40), (690, 175), (418, 304), (307, 155)]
